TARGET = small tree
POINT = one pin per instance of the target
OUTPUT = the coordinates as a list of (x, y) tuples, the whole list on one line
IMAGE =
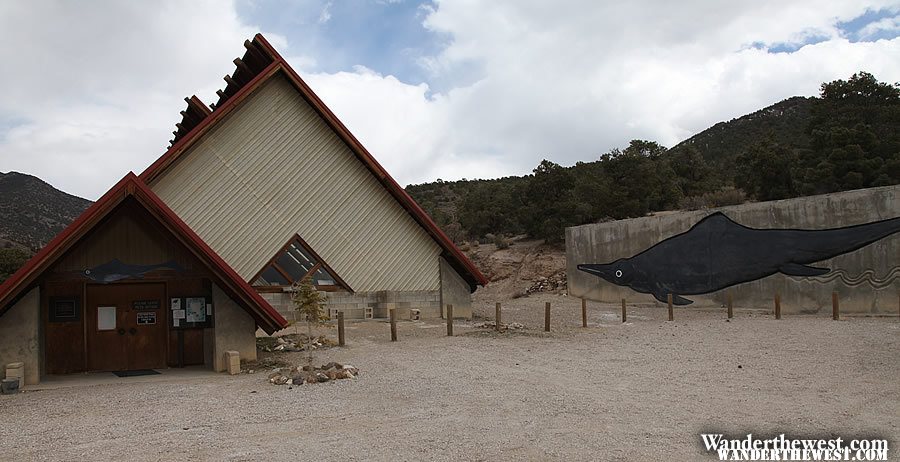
[(309, 305)]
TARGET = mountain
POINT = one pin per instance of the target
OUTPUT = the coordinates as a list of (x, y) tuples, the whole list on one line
[(705, 162), (847, 138), (785, 122), (32, 212)]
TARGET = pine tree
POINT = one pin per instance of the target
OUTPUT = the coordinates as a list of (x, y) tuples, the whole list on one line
[(309, 305)]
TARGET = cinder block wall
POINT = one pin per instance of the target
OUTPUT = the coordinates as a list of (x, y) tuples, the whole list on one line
[(878, 293), (368, 304)]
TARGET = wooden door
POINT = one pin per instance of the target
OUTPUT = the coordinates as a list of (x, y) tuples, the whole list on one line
[(106, 330), (126, 327)]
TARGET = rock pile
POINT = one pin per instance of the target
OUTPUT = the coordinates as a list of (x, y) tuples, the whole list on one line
[(292, 342), (503, 326), (300, 375), (555, 283)]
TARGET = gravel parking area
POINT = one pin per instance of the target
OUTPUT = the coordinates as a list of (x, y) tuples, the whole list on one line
[(639, 391)]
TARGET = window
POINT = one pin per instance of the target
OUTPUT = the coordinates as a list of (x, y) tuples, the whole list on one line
[(64, 309), (295, 261)]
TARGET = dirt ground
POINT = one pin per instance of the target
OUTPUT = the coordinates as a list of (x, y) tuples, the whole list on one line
[(643, 390)]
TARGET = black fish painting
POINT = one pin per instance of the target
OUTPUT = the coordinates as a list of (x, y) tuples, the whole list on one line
[(115, 270), (717, 253)]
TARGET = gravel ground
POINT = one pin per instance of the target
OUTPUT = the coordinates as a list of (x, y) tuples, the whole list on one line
[(640, 391)]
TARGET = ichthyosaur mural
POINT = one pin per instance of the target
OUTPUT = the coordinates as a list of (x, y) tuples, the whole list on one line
[(717, 253), (116, 270)]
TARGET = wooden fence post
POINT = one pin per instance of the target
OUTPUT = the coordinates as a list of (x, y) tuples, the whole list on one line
[(671, 311), (583, 312), (777, 305), (449, 320), (393, 313), (547, 317), (730, 305), (497, 317), (835, 307), (624, 317), (341, 328)]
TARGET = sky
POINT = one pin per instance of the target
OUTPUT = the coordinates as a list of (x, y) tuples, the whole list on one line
[(443, 89)]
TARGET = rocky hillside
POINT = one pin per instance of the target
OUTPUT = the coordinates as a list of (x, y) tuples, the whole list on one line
[(786, 122), (32, 212)]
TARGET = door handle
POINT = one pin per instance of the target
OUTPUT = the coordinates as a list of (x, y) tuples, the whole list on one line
[(132, 331), (121, 331)]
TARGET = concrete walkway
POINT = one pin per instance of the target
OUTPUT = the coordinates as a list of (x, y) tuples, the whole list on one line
[(53, 382)]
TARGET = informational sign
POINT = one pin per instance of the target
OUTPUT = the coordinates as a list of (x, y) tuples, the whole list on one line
[(106, 318), (196, 309), (176, 304), (178, 314), (145, 305), (145, 319)]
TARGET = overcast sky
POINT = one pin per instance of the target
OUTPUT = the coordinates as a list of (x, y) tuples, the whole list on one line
[(444, 89)]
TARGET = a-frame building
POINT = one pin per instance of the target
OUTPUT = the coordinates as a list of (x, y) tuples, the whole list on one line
[(261, 189), (278, 187)]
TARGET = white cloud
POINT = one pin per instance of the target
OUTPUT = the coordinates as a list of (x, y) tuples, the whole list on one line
[(325, 15), (571, 80), (891, 24), (95, 92)]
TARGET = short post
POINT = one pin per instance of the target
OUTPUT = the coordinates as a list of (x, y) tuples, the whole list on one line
[(624, 317), (393, 313), (449, 320), (497, 317), (777, 305), (671, 311), (547, 317), (341, 328), (583, 312), (835, 307), (730, 305)]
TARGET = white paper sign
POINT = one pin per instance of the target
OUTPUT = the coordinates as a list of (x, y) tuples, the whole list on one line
[(209, 309), (176, 322), (106, 318), (196, 309), (178, 314), (176, 304)]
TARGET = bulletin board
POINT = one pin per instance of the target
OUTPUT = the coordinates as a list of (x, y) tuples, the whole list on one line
[(191, 312)]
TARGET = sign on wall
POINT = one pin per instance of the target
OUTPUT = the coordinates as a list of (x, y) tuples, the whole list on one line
[(106, 318), (145, 305), (145, 319)]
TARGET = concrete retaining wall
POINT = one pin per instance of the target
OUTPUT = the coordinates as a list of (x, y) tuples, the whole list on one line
[(877, 293)]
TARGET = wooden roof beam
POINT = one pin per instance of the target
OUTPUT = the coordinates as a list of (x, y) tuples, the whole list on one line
[(230, 81), (243, 66), (254, 51)]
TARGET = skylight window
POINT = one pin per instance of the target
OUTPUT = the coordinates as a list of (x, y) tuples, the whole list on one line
[(295, 261)]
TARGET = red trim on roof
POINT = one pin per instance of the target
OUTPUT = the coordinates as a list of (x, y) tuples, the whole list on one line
[(406, 201), (266, 317)]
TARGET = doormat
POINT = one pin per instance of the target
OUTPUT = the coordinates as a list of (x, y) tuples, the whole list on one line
[(135, 373)]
